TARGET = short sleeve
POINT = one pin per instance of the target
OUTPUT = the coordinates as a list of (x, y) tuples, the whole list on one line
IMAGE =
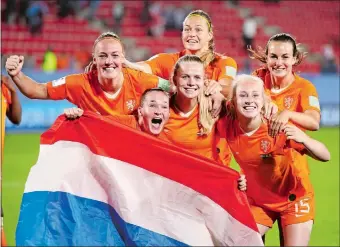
[(161, 64), (147, 81), (309, 97), (228, 68), (69, 87)]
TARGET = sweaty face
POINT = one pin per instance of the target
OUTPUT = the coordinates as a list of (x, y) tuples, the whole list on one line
[(154, 112), (108, 57), (189, 79), (249, 99), (280, 59), (196, 34)]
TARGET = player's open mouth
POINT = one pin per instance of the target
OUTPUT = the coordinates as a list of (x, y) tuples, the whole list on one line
[(156, 122), (279, 69), (249, 108), (109, 69), (190, 89), (191, 41)]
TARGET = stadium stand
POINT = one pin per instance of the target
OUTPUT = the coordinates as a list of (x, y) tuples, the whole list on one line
[(298, 18)]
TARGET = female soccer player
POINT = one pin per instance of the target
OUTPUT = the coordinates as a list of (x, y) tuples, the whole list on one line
[(107, 88), (296, 97), (278, 184)]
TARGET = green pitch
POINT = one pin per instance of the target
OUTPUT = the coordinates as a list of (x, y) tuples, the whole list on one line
[(21, 152)]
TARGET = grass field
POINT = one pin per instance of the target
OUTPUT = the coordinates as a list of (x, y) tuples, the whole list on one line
[(21, 152)]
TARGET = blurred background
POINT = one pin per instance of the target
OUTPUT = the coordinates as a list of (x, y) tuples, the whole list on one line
[(56, 38)]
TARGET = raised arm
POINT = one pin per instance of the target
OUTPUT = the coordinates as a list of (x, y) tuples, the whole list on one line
[(26, 85), (315, 149)]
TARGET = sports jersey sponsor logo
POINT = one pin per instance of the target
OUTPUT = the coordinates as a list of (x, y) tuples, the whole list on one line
[(314, 101), (230, 71), (130, 104), (265, 145), (58, 82), (288, 101)]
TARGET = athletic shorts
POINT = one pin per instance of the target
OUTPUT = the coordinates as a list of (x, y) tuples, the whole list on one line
[(295, 211)]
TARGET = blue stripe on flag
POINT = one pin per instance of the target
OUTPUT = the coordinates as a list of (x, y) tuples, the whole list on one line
[(70, 220)]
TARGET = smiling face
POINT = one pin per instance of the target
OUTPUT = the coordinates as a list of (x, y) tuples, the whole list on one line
[(108, 57), (196, 34), (154, 112), (189, 79), (280, 59), (249, 99)]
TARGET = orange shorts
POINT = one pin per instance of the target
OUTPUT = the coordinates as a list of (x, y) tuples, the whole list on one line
[(292, 212)]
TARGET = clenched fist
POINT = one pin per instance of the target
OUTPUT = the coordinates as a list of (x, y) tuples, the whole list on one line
[(14, 65)]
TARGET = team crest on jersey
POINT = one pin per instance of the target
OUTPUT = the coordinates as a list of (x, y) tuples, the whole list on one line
[(265, 145), (130, 104), (288, 101)]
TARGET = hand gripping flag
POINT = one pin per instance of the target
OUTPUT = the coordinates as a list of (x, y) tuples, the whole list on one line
[(99, 183)]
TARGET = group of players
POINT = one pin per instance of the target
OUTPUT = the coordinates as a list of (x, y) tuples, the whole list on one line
[(195, 100)]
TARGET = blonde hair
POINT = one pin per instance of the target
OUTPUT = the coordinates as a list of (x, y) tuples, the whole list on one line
[(208, 56), (205, 121), (106, 35), (261, 54), (231, 111)]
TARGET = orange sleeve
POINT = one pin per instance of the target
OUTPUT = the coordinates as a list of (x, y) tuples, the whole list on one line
[(162, 64), (143, 81), (309, 97), (228, 68), (69, 87)]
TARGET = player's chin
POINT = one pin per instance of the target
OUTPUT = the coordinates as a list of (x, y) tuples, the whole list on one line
[(250, 115), (156, 130)]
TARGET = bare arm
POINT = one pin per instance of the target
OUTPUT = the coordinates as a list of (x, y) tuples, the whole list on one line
[(14, 111), (310, 119), (226, 87), (141, 66), (26, 85), (29, 87), (315, 149)]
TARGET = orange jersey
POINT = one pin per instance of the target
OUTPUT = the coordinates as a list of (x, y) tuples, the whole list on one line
[(273, 169), (182, 131), (84, 91), (299, 96), (222, 67), (5, 102)]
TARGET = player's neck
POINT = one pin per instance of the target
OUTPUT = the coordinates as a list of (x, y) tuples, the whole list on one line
[(185, 105), (249, 124), (283, 82), (111, 86), (196, 52)]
